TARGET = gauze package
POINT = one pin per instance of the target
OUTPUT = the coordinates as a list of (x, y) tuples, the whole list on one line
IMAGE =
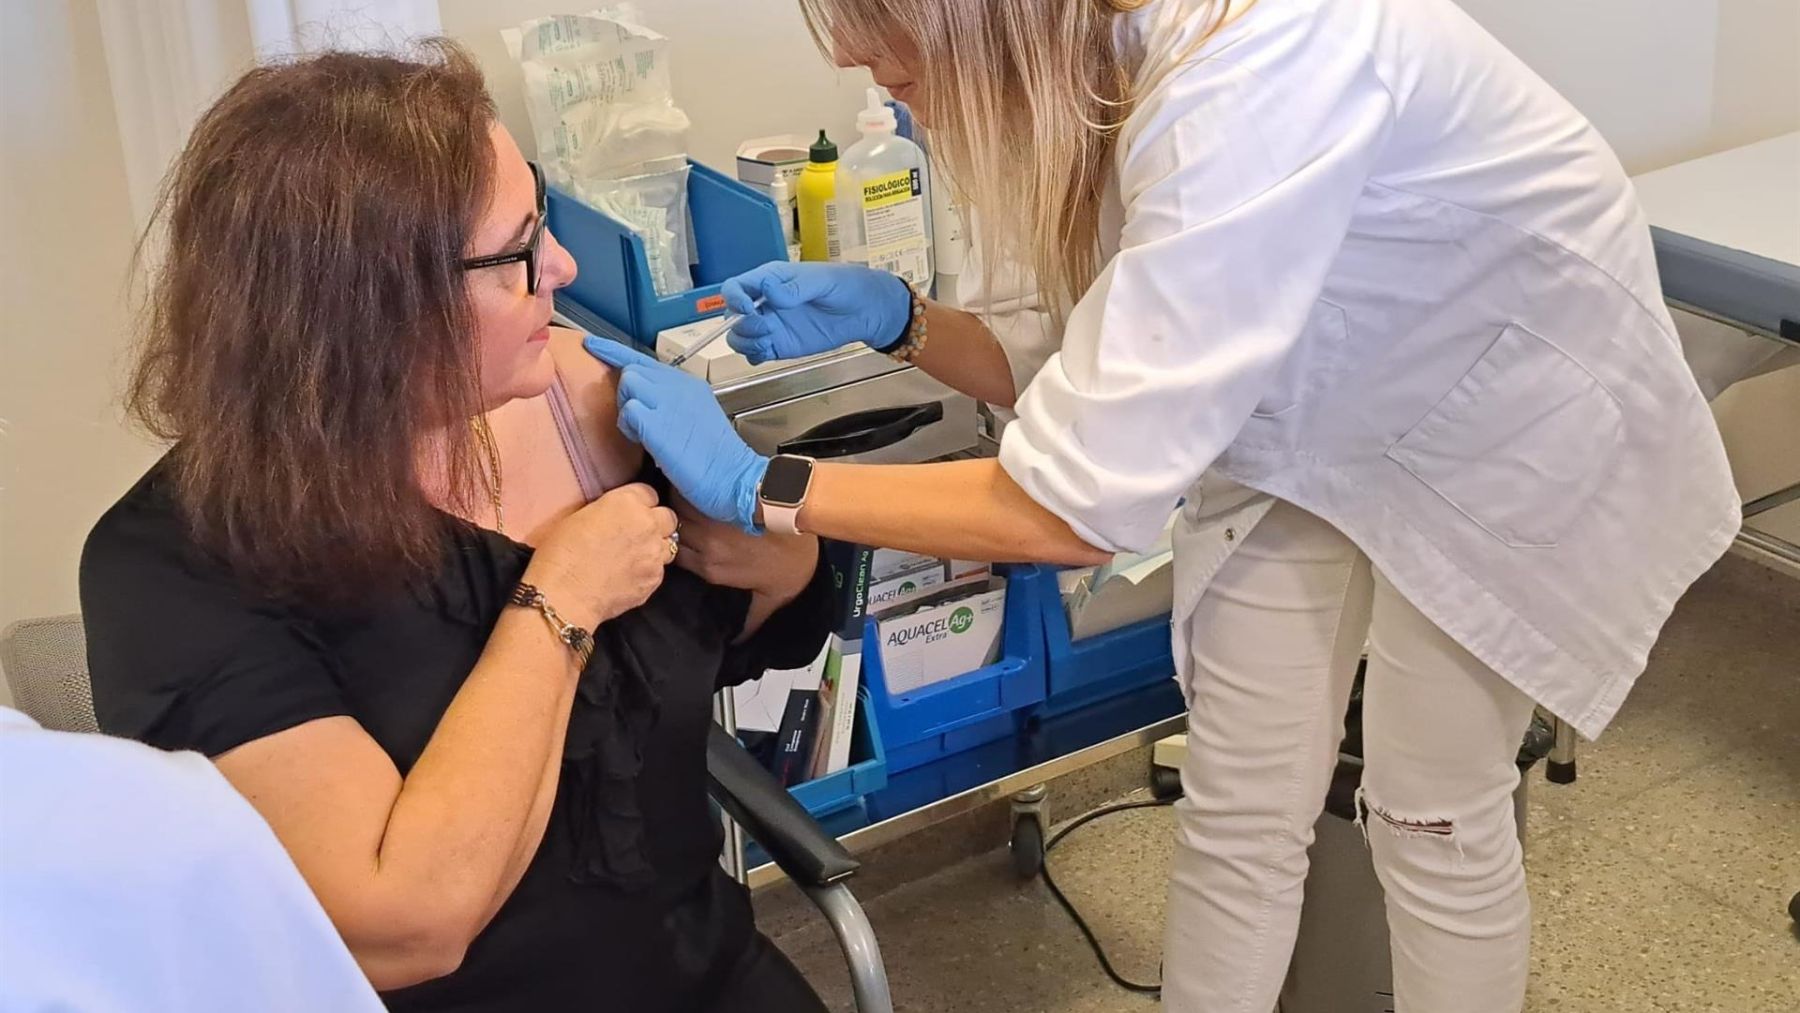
[(654, 204), (607, 127)]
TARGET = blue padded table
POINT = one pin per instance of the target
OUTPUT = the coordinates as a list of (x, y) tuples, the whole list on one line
[(1727, 235)]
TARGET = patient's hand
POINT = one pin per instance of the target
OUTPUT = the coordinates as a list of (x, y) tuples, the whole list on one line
[(778, 566)]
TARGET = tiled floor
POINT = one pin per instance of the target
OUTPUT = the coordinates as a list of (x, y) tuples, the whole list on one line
[(1659, 880)]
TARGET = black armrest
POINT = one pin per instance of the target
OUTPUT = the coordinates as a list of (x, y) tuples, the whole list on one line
[(758, 802)]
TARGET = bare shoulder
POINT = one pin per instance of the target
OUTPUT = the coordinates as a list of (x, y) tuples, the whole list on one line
[(577, 367), (593, 389)]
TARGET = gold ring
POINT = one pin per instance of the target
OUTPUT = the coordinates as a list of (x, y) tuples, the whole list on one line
[(674, 544)]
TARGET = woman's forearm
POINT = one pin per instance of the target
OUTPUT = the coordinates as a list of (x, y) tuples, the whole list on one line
[(411, 867), (962, 353), (471, 813), (960, 509), (536, 821)]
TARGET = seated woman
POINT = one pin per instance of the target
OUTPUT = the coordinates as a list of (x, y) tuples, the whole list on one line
[(359, 580)]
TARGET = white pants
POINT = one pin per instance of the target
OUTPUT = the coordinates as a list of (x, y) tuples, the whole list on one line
[(1275, 645)]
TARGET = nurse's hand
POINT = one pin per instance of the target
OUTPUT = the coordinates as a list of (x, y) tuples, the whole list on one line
[(676, 418), (772, 564), (812, 308)]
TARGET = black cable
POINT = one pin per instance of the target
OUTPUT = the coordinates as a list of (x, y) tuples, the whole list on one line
[(1081, 923)]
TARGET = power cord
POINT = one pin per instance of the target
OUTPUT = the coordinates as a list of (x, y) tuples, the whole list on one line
[(1081, 923)]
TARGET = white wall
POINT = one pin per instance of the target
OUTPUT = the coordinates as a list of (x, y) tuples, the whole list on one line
[(1642, 70), (1664, 80), (65, 242), (742, 68), (1756, 85)]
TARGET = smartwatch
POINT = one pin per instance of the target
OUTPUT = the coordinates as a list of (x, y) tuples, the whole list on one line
[(783, 492)]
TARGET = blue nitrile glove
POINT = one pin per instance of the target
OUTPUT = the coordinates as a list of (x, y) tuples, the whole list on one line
[(812, 308), (677, 419)]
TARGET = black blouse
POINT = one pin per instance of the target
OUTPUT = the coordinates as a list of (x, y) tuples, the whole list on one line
[(624, 906)]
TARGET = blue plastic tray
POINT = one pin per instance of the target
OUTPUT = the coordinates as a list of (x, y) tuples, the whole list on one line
[(734, 228), (1042, 739), (950, 775), (1083, 672), (973, 709), (837, 800), (868, 770)]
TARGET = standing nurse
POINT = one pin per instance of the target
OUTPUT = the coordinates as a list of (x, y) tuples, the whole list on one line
[(1380, 306)]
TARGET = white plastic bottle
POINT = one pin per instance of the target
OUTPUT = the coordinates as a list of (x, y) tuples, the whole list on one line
[(887, 196), (782, 193)]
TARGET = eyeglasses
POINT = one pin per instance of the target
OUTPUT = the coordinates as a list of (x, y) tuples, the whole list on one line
[(534, 264)]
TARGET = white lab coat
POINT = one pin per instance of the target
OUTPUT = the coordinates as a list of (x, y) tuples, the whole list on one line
[(134, 879), (1361, 259)]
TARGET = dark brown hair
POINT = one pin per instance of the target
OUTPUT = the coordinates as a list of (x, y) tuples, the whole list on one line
[(308, 328)]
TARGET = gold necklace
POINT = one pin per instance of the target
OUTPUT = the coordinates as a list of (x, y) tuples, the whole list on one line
[(485, 436)]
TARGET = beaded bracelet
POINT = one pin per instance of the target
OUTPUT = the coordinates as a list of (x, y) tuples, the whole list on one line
[(912, 342)]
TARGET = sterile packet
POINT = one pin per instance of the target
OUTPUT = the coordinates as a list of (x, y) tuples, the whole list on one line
[(654, 205), (607, 127)]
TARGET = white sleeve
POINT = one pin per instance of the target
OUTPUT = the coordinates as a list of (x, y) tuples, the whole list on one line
[(1238, 190), (1006, 299), (137, 879)]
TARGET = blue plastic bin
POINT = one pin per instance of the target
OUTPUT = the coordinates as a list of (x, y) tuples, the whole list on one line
[(973, 709), (836, 800), (1044, 738), (954, 774), (1074, 727), (734, 229), (868, 770), (1083, 672)]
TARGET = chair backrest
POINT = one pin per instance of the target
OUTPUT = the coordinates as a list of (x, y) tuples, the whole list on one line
[(46, 667)]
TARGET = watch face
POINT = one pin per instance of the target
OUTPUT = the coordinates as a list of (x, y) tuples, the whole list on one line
[(786, 480)]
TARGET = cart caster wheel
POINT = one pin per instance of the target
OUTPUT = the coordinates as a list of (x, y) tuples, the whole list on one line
[(1027, 847), (1165, 782), (1559, 773)]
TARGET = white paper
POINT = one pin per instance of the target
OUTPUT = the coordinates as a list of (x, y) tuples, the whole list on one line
[(760, 704), (1125, 596), (1128, 588)]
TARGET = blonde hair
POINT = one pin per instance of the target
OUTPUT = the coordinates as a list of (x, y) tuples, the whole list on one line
[(1025, 100)]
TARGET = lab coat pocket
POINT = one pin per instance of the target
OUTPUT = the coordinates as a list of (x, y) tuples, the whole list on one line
[(1315, 361), (1520, 444)]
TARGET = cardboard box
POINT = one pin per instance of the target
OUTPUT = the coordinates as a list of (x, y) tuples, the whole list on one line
[(849, 566), (716, 363), (1115, 597), (893, 562), (1129, 588), (942, 640), (960, 569), (674, 341), (902, 588)]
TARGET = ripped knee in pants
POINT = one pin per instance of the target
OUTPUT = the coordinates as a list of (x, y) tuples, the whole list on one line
[(1400, 826)]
